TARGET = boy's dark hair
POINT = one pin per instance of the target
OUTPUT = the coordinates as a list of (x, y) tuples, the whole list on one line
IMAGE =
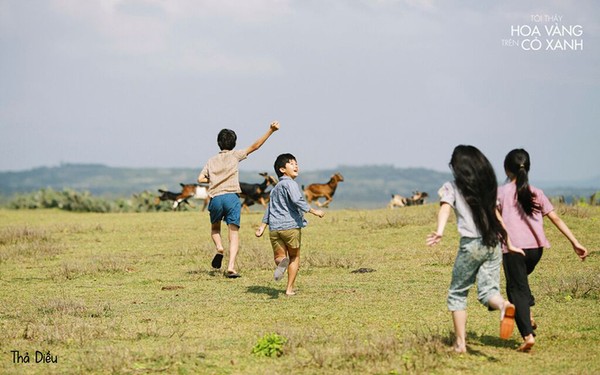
[(226, 139), (476, 180), (517, 163), (281, 161)]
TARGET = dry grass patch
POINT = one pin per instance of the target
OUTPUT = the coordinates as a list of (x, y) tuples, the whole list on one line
[(418, 352), (64, 322), (570, 286), (66, 307), (96, 266), (27, 243), (581, 212)]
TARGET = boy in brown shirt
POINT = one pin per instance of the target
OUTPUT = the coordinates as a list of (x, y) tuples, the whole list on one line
[(221, 173)]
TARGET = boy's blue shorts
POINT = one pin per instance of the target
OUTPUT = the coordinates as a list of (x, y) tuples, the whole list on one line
[(225, 207)]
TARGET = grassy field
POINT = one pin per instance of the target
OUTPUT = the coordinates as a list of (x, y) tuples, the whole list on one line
[(135, 294)]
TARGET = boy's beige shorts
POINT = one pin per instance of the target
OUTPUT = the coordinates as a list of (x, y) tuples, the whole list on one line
[(288, 238)]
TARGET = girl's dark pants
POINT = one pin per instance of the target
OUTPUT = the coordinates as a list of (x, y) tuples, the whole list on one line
[(516, 269)]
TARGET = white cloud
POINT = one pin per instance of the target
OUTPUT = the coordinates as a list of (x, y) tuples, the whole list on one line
[(205, 60), (247, 11), (125, 31), (152, 28)]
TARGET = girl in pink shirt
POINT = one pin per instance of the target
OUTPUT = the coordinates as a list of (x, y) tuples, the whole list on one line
[(523, 208)]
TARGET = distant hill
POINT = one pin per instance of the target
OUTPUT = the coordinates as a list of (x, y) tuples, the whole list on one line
[(363, 186), (95, 178)]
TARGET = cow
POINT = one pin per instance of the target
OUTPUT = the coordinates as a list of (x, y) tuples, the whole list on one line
[(315, 191)]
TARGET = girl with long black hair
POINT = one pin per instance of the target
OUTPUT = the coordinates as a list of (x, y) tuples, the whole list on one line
[(472, 195)]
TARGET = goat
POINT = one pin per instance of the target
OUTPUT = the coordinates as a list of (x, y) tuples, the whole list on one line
[(166, 195), (252, 193), (188, 191), (398, 201), (417, 199), (264, 198), (315, 191), (194, 191)]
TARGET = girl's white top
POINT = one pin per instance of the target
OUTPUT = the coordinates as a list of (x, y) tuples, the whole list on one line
[(450, 194)]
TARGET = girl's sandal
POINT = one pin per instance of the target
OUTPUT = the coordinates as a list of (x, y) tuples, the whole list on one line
[(507, 324)]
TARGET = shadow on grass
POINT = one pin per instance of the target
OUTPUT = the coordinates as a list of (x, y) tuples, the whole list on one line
[(260, 289), (497, 341), (488, 340), (481, 354), (211, 273)]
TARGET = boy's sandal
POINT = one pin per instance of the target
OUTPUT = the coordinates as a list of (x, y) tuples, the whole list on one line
[(217, 261), (232, 275), (280, 270)]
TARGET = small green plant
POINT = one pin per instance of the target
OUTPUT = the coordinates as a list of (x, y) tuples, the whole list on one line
[(270, 345)]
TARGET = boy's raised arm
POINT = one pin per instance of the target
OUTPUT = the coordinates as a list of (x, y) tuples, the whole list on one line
[(256, 145)]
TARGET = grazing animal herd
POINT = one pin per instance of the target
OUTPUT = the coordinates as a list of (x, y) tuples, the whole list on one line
[(417, 199), (259, 193)]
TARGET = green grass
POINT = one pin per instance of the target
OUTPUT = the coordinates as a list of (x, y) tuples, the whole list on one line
[(135, 294)]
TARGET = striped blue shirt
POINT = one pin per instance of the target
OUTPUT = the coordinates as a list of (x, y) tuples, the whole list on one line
[(286, 207)]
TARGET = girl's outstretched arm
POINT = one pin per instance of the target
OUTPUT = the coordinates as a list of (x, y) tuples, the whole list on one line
[(435, 237), (581, 251)]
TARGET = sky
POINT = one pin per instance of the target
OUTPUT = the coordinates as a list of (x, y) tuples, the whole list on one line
[(149, 83)]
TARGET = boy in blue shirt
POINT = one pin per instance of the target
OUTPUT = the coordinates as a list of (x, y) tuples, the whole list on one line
[(285, 218)]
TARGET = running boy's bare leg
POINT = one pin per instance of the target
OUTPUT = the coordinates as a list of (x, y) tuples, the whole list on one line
[(279, 255), (281, 260), (234, 243), (215, 234), (294, 255), (459, 318)]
